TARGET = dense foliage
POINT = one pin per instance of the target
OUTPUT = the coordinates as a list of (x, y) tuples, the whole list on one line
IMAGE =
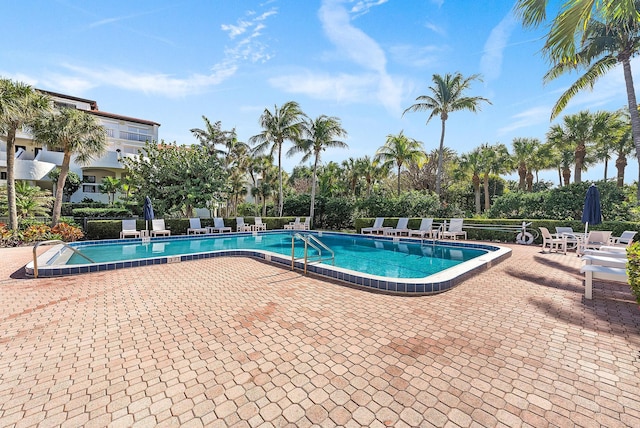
[(633, 269)]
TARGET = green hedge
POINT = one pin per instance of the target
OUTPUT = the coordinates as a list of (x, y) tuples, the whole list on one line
[(617, 227), (101, 212), (633, 269), (110, 229)]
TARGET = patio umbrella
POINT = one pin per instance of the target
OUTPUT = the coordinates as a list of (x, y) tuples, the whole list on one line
[(148, 212), (591, 213)]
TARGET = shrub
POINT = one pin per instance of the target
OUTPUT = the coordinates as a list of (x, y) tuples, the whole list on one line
[(37, 232), (101, 212), (633, 269), (67, 232)]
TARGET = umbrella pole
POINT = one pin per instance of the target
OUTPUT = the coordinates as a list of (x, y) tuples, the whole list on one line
[(586, 226)]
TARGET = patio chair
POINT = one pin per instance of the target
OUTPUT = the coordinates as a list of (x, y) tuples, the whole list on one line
[(304, 225), (555, 242), (129, 229), (401, 227), (594, 240), (377, 227), (292, 224), (259, 225), (218, 226), (624, 240), (454, 230), (573, 239), (426, 228), (241, 226), (195, 227), (158, 228)]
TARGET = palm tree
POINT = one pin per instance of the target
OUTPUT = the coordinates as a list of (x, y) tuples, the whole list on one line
[(372, 171), (284, 123), (471, 164), (75, 133), (523, 149), (591, 35), (211, 136), (110, 186), (447, 96), (399, 150), (20, 104), (318, 135), (623, 146)]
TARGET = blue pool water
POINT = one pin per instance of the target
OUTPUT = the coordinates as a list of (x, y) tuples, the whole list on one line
[(386, 258)]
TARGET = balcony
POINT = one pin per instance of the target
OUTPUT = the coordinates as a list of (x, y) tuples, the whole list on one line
[(30, 169), (134, 136)]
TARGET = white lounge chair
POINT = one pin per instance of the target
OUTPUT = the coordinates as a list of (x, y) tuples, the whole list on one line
[(129, 229), (573, 239), (425, 229), (195, 227), (218, 226), (259, 225), (555, 242), (624, 240), (304, 225), (158, 228), (594, 240), (454, 229), (377, 227), (292, 225), (401, 227), (241, 226)]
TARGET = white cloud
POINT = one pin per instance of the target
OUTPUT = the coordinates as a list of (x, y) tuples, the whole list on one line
[(415, 56), (236, 30), (363, 6), (491, 61), (436, 28), (527, 118), (248, 48), (438, 3)]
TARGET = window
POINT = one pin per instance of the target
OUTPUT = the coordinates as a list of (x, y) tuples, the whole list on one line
[(21, 147), (86, 188), (37, 150), (60, 104), (3, 175), (88, 178)]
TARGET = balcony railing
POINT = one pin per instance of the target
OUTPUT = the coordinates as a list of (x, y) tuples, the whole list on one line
[(133, 136)]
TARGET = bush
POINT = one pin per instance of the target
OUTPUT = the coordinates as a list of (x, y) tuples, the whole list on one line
[(101, 212), (633, 269), (67, 232)]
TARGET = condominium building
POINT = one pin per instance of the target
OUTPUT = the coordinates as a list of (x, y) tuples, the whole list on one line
[(125, 137)]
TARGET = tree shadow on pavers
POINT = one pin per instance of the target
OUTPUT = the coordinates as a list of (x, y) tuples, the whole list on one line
[(540, 277), (553, 264)]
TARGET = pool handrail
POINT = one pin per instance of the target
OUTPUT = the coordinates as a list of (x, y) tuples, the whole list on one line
[(315, 243), (51, 242)]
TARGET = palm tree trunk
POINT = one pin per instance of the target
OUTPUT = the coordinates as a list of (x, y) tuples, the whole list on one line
[(476, 191), (633, 112), (487, 204), (606, 166), (280, 192), (559, 177), (11, 180), (313, 191), (580, 153), (62, 178), (399, 166), (621, 163), (440, 161)]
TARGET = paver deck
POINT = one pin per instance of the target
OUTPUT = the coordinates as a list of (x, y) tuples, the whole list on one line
[(236, 342)]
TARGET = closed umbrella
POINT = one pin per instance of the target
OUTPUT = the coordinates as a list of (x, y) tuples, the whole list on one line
[(148, 211), (591, 213)]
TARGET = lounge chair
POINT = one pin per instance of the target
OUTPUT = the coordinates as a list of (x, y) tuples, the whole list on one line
[(454, 230), (218, 226), (129, 229), (293, 224), (304, 225), (195, 227), (594, 240), (158, 228), (555, 242), (259, 225), (573, 239), (377, 227), (623, 240), (241, 226), (425, 229), (401, 227)]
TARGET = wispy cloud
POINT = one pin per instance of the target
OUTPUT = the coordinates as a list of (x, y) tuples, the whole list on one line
[(438, 3), (527, 118), (363, 6), (436, 28), (415, 56), (491, 61), (248, 48)]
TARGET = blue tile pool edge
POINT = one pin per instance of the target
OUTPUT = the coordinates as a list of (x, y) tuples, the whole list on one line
[(432, 284)]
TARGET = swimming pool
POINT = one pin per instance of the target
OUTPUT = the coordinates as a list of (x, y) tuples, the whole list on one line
[(391, 264)]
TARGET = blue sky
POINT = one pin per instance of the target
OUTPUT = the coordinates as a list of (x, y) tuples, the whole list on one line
[(363, 61)]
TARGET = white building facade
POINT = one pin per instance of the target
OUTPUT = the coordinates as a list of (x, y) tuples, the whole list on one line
[(125, 137)]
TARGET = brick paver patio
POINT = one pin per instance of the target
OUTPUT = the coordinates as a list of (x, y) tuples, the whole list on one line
[(236, 342)]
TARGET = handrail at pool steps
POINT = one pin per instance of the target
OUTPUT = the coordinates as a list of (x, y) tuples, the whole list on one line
[(316, 244), (52, 242)]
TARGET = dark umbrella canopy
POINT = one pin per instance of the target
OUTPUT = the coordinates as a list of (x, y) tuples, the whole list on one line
[(591, 213), (147, 210)]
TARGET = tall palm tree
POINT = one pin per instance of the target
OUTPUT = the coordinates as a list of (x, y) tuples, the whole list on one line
[(20, 104), (212, 136), (75, 133), (523, 149), (110, 186), (318, 135), (284, 123), (399, 150), (447, 96), (594, 36), (471, 164), (372, 171), (623, 146)]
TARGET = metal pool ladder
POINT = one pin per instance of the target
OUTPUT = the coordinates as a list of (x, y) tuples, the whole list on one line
[(54, 241), (316, 244)]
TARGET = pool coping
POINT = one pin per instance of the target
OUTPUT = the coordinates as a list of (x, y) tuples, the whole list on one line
[(432, 284)]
